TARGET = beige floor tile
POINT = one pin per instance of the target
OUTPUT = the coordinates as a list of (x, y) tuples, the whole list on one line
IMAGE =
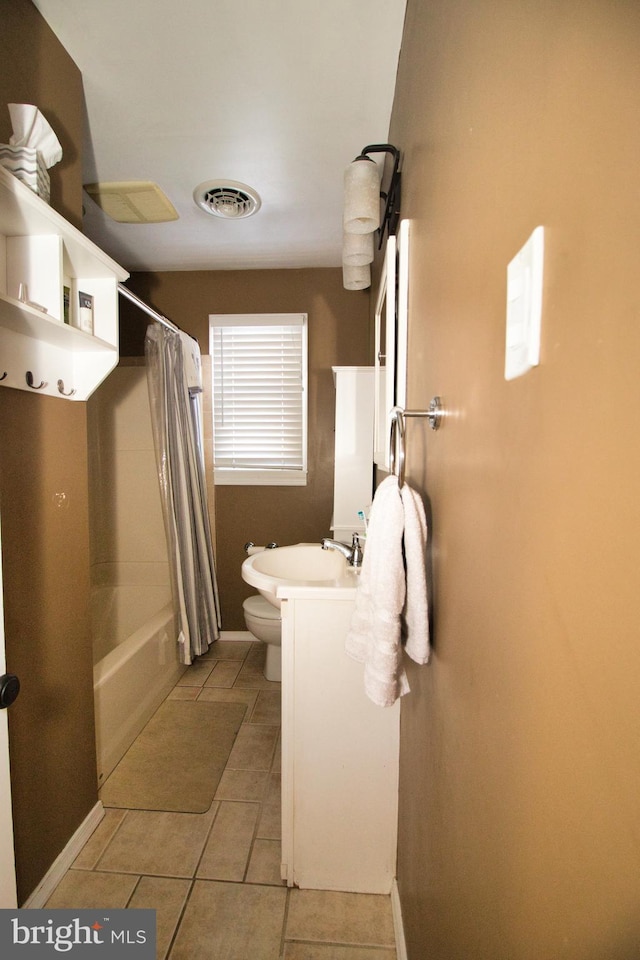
[(227, 650), (227, 851), (268, 708), (264, 866), (357, 918), (83, 889), (253, 748), (270, 823), (233, 921), (167, 897), (224, 673), (251, 675), (257, 652), (196, 674), (232, 695), (323, 951), (158, 844), (237, 839), (274, 789), (249, 785), (101, 836), (184, 693)]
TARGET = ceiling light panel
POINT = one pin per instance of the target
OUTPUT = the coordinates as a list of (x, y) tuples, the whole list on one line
[(132, 201)]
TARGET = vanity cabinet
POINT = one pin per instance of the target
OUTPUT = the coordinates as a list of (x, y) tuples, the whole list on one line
[(339, 754), (49, 263)]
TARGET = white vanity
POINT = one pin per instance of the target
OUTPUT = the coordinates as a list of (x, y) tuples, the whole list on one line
[(339, 750), (339, 754)]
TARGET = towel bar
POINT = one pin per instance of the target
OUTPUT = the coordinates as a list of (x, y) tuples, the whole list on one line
[(397, 433)]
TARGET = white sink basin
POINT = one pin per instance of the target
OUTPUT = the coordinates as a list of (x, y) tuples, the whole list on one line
[(302, 564)]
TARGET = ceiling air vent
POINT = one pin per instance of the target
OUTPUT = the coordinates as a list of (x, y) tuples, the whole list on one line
[(227, 199)]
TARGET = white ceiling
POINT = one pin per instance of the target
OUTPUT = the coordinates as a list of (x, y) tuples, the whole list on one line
[(278, 94)]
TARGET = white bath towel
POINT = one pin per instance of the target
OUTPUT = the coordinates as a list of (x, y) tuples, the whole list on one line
[(192, 362), (391, 612), (415, 622)]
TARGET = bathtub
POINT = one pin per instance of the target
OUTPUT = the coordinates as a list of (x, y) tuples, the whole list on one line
[(137, 664)]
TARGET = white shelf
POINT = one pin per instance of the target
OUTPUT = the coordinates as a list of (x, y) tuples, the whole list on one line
[(353, 470), (40, 249)]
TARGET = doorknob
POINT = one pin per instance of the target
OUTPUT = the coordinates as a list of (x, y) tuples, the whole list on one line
[(9, 689)]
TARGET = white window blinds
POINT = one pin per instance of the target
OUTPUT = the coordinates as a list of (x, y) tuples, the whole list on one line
[(259, 368)]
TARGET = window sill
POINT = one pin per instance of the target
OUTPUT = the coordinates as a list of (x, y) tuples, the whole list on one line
[(260, 478)]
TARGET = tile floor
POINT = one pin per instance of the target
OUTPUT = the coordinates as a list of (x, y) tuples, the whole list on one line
[(214, 878)]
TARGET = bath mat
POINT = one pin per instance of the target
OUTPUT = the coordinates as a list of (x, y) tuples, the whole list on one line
[(176, 763)]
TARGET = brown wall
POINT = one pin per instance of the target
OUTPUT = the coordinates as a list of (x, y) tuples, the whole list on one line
[(338, 335), (35, 68), (520, 759), (45, 545)]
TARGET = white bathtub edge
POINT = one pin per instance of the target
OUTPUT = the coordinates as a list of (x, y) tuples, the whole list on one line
[(63, 861), (105, 668), (110, 755), (130, 683)]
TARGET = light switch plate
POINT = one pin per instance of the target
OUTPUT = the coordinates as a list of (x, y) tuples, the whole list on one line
[(524, 307)]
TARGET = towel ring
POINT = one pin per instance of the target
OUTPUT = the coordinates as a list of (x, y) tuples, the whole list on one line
[(396, 445), (397, 433)]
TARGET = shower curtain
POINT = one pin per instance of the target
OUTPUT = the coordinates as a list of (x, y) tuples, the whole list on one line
[(175, 395)]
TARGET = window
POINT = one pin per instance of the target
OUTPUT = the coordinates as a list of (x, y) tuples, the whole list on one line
[(259, 369)]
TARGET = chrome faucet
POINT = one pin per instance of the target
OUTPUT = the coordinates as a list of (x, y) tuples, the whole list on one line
[(352, 554)]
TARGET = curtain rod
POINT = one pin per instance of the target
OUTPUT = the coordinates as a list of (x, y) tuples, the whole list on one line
[(147, 309)]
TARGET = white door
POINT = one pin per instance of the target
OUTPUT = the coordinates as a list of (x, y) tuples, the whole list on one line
[(8, 896)]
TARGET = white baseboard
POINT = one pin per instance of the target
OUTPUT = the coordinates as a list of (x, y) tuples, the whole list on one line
[(236, 635), (61, 864), (401, 946)]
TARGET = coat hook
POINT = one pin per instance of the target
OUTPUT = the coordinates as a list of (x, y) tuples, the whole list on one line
[(30, 383), (5, 374), (65, 393)]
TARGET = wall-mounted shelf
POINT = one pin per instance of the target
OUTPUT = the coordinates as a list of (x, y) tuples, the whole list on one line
[(40, 250), (353, 469)]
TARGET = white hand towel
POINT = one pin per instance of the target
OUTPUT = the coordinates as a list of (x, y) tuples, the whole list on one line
[(416, 611), (391, 600)]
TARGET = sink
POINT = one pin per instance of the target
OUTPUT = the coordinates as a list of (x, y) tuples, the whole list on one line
[(301, 564)]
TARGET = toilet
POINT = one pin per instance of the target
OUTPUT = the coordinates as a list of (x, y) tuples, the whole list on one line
[(263, 620)]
